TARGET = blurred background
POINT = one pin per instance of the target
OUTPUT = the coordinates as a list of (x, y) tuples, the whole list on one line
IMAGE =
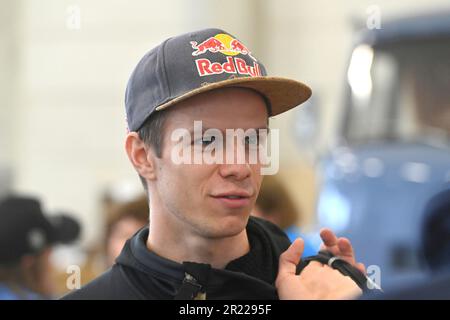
[(363, 157)]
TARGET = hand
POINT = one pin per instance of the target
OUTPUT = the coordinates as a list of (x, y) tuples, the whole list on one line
[(316, 281), (340, 247)]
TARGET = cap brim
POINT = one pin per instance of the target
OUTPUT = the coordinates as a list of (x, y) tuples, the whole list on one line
[(282, 93)]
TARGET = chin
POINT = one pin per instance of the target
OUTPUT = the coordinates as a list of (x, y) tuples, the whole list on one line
[(226, 227)]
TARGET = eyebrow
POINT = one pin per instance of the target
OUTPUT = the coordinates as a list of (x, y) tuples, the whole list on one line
[(191, 130)]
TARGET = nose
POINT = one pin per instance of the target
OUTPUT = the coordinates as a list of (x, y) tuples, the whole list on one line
[(236, 165), (237, 172)]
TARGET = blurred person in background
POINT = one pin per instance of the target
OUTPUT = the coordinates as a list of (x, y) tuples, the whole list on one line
[(123, 221), (123, 217), (276, 205), (27, 237)]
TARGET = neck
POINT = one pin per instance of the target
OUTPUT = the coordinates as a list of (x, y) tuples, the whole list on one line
[(179, 243)]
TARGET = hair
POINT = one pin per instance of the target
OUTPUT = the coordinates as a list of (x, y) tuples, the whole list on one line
[(136, 209), (151, 133)]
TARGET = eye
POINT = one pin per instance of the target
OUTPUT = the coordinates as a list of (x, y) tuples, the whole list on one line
[(208, 140), (205, 141), (251, 140)]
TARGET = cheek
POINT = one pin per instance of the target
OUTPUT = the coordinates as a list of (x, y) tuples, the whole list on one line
[(186, 179), (257, 177)]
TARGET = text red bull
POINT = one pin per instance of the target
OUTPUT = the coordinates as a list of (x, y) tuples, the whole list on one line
[(232, 65)]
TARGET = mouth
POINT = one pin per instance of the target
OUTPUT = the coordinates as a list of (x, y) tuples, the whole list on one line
[(233, 200)]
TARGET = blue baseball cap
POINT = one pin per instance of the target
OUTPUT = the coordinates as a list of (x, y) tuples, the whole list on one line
[(197, 62)]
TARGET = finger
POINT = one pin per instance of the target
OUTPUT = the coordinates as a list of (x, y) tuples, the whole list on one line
[(346, 251), (333, 249), (328, 237), (361, 267), (290, 258), (345, 247)]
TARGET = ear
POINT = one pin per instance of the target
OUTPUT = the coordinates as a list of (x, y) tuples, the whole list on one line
[(141, 156)]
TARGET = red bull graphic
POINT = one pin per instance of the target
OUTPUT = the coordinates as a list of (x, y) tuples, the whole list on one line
[(227, 45), (211, 44), (238, 46)]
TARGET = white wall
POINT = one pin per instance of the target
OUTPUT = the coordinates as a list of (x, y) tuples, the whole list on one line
[(67, 140), (62, 114)]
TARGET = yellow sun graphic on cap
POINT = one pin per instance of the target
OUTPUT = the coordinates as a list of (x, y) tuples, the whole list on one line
[(226, 40)]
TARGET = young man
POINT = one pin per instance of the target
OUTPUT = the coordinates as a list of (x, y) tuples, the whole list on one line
[(200, 243)]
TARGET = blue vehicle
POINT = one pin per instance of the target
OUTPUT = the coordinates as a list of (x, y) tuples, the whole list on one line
[(393, 153)]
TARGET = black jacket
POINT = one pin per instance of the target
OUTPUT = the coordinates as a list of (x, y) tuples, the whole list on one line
[(141, 274)]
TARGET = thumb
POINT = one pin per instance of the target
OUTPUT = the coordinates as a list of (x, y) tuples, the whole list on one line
[(290, 258)]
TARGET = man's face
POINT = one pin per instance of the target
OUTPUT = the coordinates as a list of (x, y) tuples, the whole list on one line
[(211, 200)]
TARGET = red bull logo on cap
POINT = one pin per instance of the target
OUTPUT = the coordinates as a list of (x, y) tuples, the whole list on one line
[(229, 46)]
